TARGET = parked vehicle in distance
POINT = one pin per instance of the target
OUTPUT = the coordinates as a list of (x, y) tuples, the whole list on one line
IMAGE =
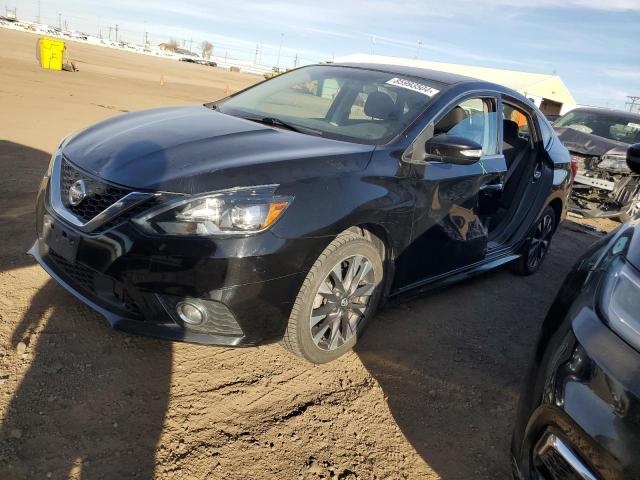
[(208, 63), (578, 414), (290, 210), (598, 140)]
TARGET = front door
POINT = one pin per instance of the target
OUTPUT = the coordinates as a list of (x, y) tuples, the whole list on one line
[(448, 229)]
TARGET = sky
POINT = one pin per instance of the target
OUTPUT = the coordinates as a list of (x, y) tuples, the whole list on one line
[(591, 44)]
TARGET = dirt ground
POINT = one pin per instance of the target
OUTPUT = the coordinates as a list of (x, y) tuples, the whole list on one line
[(430, 391)]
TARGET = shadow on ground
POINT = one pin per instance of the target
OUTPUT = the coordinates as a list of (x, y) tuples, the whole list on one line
[(80, 418), (21, 169), (92, 403), (451, 362)]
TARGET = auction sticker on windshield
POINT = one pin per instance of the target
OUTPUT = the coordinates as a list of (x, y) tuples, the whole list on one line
[(415, 86)]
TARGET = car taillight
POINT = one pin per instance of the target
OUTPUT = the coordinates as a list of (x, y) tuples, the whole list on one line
[(574, 168)]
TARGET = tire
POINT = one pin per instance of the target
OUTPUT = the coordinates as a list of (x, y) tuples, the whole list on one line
[(537, 245), (326, 307)]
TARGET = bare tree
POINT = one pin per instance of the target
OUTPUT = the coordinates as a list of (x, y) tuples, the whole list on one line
[(172, 44), (207, 49)]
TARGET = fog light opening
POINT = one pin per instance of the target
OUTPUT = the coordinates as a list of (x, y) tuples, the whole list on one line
[(191, 313)]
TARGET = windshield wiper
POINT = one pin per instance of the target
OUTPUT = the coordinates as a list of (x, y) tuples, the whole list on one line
[(276, 122)]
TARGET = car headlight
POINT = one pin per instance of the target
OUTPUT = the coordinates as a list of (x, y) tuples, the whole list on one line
[(614, 163), (239, 211), (620, 300)]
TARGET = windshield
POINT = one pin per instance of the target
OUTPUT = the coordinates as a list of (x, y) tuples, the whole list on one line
[(351, 104), (621, 128)]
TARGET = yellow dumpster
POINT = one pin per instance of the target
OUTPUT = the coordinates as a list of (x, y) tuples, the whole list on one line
[(50, 52)]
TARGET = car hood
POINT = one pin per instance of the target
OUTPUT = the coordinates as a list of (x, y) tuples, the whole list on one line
[(195, 149), (588, 144)]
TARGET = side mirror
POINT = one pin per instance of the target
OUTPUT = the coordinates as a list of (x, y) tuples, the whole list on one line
[(633, 158), (453, 149)]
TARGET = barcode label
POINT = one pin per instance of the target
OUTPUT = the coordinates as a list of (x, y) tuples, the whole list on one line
[(414, 86)]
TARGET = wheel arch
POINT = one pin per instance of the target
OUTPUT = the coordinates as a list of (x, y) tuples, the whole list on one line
[(558, 207), (381, 238)]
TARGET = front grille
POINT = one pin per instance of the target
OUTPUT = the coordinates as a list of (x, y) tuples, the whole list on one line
[(554, 460), (83, 277), (554, 467), (100, 196)]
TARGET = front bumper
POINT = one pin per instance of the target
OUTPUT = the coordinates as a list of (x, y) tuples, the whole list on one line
[(133, 279), (590, 391)]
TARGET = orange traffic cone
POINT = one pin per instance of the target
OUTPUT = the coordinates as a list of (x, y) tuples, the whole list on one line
[(227, 91), (161, 80)]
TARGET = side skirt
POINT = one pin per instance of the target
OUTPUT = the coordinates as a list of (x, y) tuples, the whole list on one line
[(452, 277)]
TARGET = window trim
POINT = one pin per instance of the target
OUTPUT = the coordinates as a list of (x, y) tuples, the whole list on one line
[(529, 113), (427, 132)]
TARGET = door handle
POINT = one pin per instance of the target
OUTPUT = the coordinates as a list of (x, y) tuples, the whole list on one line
[(492, 187)]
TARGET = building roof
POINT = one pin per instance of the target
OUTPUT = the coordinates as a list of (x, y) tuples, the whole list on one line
[(438, 76), (532, 84)]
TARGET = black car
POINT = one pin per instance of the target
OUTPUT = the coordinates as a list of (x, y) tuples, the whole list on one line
[(598, 140), (290, 210), (579, 413)]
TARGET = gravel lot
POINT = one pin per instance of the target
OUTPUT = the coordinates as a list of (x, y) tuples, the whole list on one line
[(430, 391)]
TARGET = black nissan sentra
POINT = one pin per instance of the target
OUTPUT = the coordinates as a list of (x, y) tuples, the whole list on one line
[(579, 415), (291, 210)]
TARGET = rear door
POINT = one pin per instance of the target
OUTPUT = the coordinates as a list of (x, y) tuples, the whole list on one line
[(448, 231)]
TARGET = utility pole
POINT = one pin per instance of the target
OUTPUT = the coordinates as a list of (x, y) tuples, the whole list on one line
[(279, 51), (59, 21), (295, 61), (633, 103), (110, 32), (255, 58), (116, 32), (190, 44)]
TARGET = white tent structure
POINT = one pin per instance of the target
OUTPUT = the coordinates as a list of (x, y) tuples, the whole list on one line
[(548, 92)]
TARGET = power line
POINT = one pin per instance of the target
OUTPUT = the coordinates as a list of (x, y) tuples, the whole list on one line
[(280, 50)]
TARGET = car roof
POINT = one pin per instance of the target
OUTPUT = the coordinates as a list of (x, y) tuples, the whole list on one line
[(424, 73), (606, 111)]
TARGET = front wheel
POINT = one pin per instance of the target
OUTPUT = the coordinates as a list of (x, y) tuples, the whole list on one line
[(340, 293), (537, 245)]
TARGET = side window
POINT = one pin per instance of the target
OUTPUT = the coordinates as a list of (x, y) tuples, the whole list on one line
[(520, 118), (474, 119)]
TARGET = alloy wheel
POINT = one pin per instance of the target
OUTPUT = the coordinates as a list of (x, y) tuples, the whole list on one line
[(540, 242), (341, 302)]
